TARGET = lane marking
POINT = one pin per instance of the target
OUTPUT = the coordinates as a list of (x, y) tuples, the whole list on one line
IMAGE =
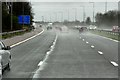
[(27, 39), (92, 46), (48, 52), (100, 52), (87, 42), (83, 39), (109, 38), (114, 63), (80, 37), (43, 63)]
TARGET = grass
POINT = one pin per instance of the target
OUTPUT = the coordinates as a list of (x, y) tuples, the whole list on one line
[(5, 36), (106, 34)]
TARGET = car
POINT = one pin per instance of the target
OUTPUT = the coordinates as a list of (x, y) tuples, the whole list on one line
[(5, 57), (82, 29), (115, 29), (40, 25), (49, 27)]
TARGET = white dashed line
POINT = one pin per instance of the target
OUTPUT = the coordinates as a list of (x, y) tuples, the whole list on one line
[(109, 38), (100, 52), (48, 52), (41, 62), (114, 63), (92, 46), (83, 39), (87, 42), (80, 37)]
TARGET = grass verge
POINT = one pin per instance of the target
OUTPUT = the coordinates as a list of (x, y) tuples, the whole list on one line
[(5, 36), (106, 34)]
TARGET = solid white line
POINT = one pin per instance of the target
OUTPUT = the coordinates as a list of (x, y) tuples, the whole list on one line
[(26, 39), (114, 63), (92, 46), (100, 52)]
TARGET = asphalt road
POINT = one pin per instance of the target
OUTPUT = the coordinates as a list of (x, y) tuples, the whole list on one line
[(26, 56), (71, 57), (108, 47)]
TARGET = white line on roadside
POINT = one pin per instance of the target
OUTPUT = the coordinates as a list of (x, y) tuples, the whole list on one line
[(92, 46), (26, 39), (114, 63), (109, 39), (100, 52)]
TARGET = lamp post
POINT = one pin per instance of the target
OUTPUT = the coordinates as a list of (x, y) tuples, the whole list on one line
[(83, 12), (61, 16), (68, 15), (11, 6), (42, 18), (106, 6), (93, 10), (55, 17), (75, 13)]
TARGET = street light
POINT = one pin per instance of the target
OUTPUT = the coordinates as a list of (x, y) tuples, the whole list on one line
[(75, 13), (42, 18), (106, 6), (61, 16), (68, 14), (11, 15), (55, 16), (93, 9), (50, 17), (83, 12)]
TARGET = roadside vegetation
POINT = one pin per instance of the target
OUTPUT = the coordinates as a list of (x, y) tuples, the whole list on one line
[(107, 20), (10, 13)]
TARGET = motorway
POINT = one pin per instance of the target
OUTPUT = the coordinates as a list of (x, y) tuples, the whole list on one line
[(72, 57)]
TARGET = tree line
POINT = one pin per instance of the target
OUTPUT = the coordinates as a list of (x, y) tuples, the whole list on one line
[(107, 19), (10, 13)]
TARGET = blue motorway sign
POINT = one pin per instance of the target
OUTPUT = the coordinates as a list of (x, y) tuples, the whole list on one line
[(24, 19)]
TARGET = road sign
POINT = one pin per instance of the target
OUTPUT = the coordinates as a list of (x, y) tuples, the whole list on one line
[(24, 19)]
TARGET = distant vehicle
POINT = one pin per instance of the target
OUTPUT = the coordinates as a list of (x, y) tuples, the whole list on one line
[(92, 27), (40, 25), (116, 29), (32, 27), (77, 27), (49, 26), (82, 29), (5, 56)]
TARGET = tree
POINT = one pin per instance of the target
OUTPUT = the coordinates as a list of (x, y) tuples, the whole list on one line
[(109, 18), (18, 8), (88, 21)]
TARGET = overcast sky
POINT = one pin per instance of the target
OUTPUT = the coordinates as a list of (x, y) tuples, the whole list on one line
[(60, 10)]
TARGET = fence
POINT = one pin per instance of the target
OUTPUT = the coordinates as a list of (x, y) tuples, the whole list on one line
[(107, 32)]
